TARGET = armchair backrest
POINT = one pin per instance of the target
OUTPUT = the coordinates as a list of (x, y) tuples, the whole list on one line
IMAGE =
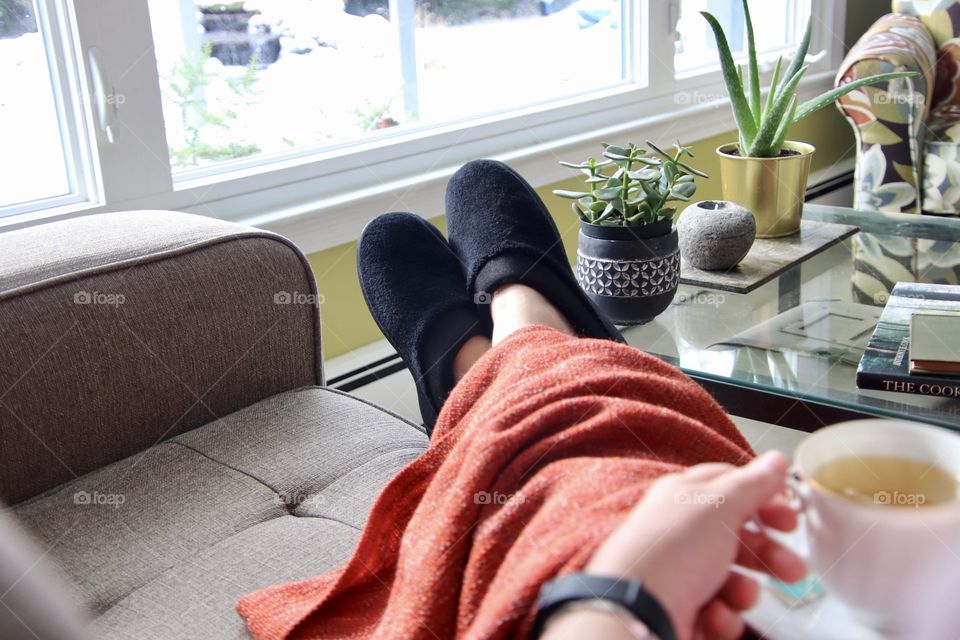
[(942, 20), (120, 330), (941, 17)]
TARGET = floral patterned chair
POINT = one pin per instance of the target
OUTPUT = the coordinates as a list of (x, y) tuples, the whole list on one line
[(908, 137)]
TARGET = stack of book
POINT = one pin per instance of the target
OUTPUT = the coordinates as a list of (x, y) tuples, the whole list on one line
[(916, 345)]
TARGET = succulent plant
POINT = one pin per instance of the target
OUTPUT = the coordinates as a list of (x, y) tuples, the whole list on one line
[(763, 125), (640, 188)]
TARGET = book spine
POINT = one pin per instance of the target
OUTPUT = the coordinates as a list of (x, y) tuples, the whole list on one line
[(918, 385)]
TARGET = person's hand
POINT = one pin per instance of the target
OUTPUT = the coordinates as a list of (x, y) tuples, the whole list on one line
[(687, 531)]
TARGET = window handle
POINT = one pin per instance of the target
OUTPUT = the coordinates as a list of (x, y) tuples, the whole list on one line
[(106, 102)]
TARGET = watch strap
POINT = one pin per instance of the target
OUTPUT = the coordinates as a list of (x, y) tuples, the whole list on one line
[(628, 594)]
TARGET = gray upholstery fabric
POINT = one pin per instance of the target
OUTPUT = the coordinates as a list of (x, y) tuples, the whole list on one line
[(122, 330), (275, 492), (197, 599), (37, 255)]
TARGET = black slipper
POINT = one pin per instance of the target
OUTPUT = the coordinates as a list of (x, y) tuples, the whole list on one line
[(413, 284), (504, 234)]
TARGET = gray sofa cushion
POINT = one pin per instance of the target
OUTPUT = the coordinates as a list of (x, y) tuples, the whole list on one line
[(122, 330), (162, 543)]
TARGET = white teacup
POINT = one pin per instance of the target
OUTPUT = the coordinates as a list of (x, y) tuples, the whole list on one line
[(896, 569)]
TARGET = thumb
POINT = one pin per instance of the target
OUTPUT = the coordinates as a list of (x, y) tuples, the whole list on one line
[(749, 487)]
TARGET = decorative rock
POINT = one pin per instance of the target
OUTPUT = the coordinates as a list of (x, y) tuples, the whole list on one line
[(716, 234)]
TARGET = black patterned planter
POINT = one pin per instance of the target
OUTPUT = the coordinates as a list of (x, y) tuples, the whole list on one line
[(630, 273)]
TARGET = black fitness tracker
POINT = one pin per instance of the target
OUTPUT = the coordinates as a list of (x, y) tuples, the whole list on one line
[(628, 594)]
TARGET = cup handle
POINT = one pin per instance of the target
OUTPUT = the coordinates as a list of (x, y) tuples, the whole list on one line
[(799, 490)]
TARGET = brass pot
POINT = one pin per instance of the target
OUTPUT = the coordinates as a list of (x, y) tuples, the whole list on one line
[(772, 188)]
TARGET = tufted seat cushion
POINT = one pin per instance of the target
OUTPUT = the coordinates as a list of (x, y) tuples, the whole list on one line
[(160, 544)]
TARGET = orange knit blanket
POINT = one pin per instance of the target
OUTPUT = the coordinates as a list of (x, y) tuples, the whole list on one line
[(538, 455)]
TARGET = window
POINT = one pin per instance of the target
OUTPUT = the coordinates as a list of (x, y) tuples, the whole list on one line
[(269, 77), (268, 111), (778, 26), (39, 162)]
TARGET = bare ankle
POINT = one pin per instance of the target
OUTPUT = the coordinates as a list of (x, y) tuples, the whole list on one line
[(471, 351), (515, 306)]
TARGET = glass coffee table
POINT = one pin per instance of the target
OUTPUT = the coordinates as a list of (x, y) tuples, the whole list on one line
[(786, 353)]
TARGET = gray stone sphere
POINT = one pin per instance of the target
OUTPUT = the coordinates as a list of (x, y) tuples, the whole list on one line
[(716, 234)]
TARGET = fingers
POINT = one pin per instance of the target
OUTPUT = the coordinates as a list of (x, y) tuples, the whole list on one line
[(761, 553), (706, 471), (739, 592), (718, 621), (777, 513), (750, 487)]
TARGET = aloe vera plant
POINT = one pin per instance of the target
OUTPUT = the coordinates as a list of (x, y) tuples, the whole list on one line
[(764, 124), (633, 196)]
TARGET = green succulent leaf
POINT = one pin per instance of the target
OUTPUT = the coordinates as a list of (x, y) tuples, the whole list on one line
[(799, 56), (785, 124), (774, 82), (607, 193), (575, 195), (597, 207), (821, 101), (608, 211), (686, 167), (763, 146), (619, 151), (741, 108), (644, 174), (753, 69), (684, 189)]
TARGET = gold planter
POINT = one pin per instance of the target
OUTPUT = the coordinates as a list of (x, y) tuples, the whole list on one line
[(772, 188)]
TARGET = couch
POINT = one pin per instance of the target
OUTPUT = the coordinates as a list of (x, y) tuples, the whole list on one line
[(908, 140), (166, 437)]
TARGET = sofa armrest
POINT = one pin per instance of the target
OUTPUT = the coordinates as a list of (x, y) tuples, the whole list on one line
[(888, 118), (124, 329)]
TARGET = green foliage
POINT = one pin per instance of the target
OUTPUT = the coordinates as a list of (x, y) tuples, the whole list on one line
[(640, 188), (764, 125), (185, 87)]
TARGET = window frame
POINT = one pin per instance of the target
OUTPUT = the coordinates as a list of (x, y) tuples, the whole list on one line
[(296, 194)]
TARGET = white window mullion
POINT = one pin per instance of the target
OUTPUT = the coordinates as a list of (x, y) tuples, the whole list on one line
[(660, 37), (120, 73)]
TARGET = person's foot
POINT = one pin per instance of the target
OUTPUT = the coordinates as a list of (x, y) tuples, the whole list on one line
[(413, 284), (504, 235)]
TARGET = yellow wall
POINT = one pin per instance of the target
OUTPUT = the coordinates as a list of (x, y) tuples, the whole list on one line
[(347, 323)]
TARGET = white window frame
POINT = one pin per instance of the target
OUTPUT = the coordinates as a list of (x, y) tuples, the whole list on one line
[(324, 199)]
